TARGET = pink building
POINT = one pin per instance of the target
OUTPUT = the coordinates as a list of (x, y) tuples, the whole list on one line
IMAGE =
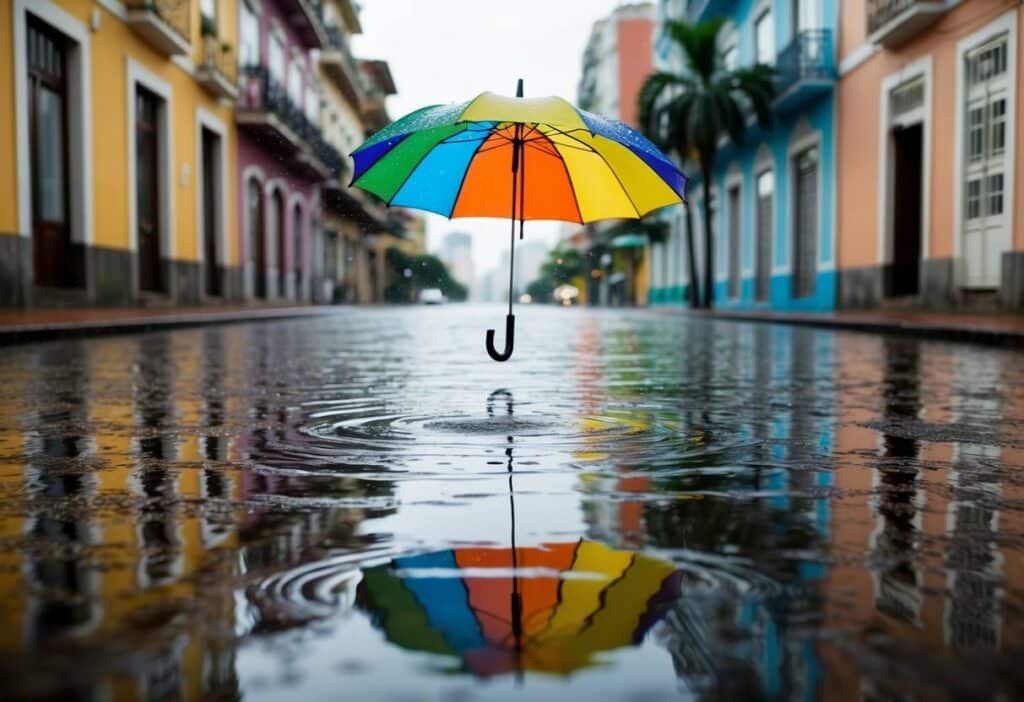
[(282, 157)]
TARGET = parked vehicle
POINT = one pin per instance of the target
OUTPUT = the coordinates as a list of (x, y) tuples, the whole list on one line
[(432, 296)]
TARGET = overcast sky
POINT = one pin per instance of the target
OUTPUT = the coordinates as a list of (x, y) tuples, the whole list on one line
[(451, 50)]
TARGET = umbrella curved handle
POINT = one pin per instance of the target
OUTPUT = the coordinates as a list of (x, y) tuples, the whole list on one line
[(510, 338)]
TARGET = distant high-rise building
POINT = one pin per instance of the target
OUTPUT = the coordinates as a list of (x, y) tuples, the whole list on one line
[(457, 254), (616, 61), (529, 258)]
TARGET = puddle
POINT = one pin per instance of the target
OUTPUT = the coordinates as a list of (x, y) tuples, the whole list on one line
[(638, 506)]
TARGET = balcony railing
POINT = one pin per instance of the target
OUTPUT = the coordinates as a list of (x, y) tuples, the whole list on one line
[(166, 24), (342, 67), (306, 17), (264, 103), (805, 66), (218, 71), (893, 22)]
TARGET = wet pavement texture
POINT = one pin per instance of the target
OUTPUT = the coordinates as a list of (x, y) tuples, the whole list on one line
[(637, 506)]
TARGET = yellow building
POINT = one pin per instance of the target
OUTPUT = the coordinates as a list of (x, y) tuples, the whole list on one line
[(117, 161)]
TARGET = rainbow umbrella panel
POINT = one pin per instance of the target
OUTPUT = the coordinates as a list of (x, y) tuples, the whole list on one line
[(522, 158), (549, 609)]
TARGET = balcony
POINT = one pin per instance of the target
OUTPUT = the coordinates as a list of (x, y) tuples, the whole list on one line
[(265, 110), (218, 71), (165, 24), (805, 69), (892, 23), (339, 64), (306, 18)]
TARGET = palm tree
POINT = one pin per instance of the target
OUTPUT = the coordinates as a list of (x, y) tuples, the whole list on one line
[(689, 111)]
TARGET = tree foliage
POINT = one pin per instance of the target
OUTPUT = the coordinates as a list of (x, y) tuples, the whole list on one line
[(689, 111), (559, 268), (424, 271)]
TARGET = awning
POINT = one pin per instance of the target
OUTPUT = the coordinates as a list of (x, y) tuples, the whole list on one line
[(629, 241)]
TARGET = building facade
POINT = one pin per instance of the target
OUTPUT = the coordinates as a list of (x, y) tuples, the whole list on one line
[(929, 112), (616, 61), (282, 156), (118, 152), (773, 196)]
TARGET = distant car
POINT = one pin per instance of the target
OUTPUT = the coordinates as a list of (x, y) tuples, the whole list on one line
[(432, 296)]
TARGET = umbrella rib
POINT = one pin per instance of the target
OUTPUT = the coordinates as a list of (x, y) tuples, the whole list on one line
[(610, 169), (572, 188)]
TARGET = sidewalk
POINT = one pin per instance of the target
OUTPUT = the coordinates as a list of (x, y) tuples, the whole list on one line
[(986, 328), (21, 326)]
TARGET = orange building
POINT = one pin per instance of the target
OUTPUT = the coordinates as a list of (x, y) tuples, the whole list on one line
[(929, 166)]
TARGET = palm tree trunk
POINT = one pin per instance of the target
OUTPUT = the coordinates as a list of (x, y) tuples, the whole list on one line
[(709, 250), (691, 261)]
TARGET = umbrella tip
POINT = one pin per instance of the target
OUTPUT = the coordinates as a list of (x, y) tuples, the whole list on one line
[(519, 88)]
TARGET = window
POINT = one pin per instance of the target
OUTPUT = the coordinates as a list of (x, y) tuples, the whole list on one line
[(907, 98), (249, 41), (208, 10), (731, 57), (806, 14), (997, 121), (976, 133), (764, 38), (987, 63), (973, 199), (295, 81), (277, 58), (312, 103), (994, 188)]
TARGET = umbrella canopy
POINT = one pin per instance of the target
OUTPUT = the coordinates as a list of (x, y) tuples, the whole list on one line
[(551, 612), (537, 158), (456, 160)]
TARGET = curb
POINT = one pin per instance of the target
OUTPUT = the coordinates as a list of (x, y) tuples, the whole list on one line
[(946, 332), (13, 334)]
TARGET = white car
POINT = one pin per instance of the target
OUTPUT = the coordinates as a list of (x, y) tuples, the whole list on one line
[(432, 296)]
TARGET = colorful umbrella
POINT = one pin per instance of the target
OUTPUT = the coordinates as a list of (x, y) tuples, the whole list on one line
[(472, 160), (546, 609)]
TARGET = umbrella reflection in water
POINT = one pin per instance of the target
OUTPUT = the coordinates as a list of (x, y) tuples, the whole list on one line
[(549, 608)]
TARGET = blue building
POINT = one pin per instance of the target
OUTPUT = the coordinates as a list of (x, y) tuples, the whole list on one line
[(773, 196)]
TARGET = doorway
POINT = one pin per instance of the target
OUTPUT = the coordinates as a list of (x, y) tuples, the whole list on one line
[(805, 239), (908, 145), (56, 261), (257, 248), (277, 236), (147, 188), (211, 212)]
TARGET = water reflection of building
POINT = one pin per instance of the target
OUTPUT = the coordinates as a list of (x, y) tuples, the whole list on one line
[(760, 462), (921, 561), (125, 523)]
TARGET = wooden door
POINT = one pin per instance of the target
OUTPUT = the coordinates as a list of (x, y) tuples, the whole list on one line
[(48, 132), (257, 248), (735, 255), (211, 212), (765, 224), (147, 188), (805, 253), (297, 251)]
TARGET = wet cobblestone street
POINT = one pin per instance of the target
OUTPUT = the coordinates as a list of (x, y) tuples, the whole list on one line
[(638, 506)]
